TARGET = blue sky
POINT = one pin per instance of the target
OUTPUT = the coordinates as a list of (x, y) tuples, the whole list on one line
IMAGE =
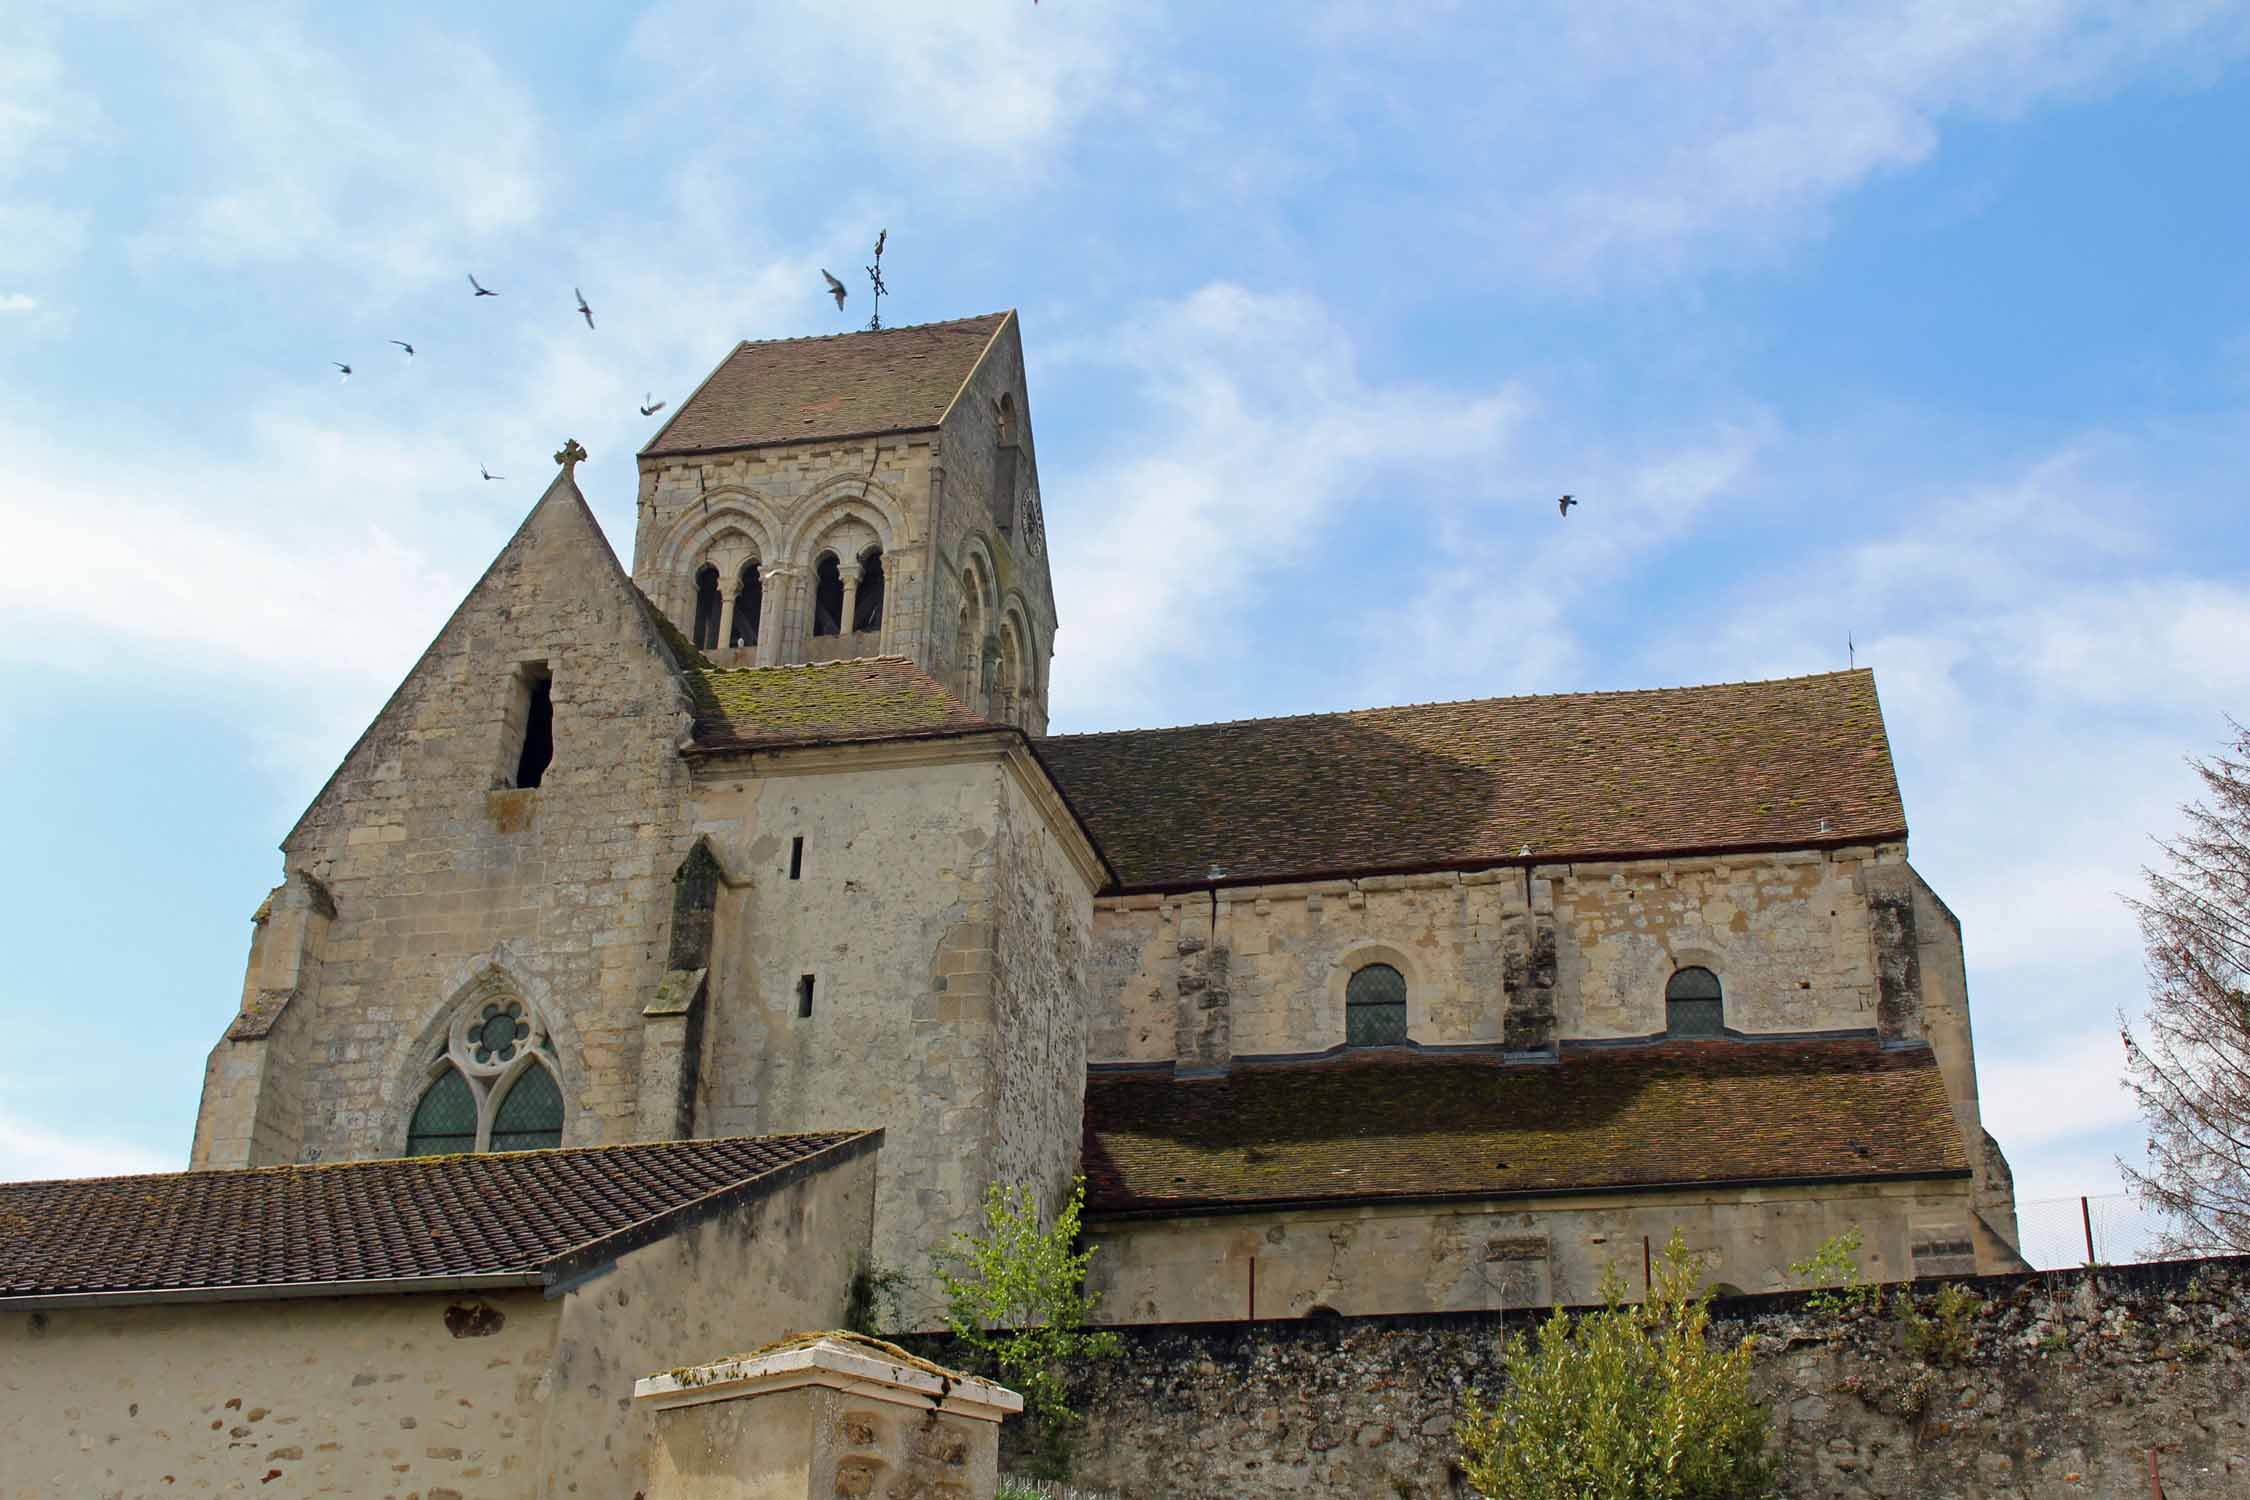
[(1927, 324)]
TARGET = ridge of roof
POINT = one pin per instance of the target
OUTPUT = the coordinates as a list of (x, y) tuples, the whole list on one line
[(857, 333), (1385, 708)]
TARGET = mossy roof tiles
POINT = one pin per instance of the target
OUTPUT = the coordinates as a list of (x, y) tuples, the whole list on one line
[(865, 698), (1399, 1126), (1797, 762), (842, 385), (431, 1216)]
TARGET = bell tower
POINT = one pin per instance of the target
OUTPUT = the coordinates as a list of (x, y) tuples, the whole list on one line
[(862, 494)]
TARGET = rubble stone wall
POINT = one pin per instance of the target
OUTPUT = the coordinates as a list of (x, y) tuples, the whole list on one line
[(2070, 1382)]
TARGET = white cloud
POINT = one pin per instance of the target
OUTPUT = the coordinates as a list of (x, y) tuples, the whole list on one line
[(898, 78), (18, 302), (29, 1153), (400, 170), (2072, 1089), (1633, 140), (1256, 428)]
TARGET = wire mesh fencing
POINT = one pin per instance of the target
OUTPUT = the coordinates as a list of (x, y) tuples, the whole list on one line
[(2104, 1229)]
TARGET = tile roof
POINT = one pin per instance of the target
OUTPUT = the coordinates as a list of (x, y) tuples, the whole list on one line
[(841, 385), (1457, 785), (866, 698), (430, 1216), (1398, 1125)]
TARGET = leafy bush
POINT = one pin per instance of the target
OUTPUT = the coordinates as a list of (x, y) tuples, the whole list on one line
[(1017, 1295), (1945, 1337), (1834, 1270), (1628, 1403)]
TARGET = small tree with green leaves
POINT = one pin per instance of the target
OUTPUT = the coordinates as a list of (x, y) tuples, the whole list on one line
[(1834, 1274), (1631, 1402), (1016, 1294)]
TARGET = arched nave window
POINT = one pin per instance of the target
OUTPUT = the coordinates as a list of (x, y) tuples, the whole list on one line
[(493, 1086)]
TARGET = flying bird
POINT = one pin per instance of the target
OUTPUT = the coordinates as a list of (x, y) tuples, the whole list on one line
[(403, 344), (487, 473), (1564, 505), (347, 369), (482, 291), (649, 407), (583, 310), (835, 288)]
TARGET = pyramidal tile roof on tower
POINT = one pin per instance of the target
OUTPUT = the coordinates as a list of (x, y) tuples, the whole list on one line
[(840, 385), (1795, 763)]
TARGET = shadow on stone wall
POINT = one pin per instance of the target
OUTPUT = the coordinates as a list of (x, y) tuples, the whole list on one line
[(2068, 1381)]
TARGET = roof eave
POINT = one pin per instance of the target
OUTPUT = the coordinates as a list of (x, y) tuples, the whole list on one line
[(788, 442), (275, 1291), (1509, 862)]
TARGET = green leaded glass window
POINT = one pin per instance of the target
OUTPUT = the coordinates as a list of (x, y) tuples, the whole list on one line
[(1693, 1006), (531, 1115), (1375, 1007), (446, 1119)]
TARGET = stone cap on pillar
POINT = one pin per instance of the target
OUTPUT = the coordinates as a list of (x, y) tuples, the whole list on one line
[(849, 1362)]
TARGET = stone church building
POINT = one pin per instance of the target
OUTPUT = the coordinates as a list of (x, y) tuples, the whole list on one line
[(1446, 1006)]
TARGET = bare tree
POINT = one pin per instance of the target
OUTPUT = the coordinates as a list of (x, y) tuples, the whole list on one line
[(2191, 1073)]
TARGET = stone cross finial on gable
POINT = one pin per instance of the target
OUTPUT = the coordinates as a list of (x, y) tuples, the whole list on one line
[(570, 456)]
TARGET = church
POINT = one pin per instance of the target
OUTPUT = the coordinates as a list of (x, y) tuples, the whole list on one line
[(683, 948), (1457, 1005)]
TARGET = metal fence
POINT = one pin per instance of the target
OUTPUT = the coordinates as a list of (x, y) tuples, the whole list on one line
[(2102, 1228)]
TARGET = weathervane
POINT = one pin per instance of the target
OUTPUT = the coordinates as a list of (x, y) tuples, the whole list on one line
[(875, 276)]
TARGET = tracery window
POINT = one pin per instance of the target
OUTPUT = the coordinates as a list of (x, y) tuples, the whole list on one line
[(492, 1087), (1375, 1007), (1694, 1005)]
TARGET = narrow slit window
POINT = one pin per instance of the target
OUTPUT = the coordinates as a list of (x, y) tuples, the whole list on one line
[(707, 608), (867, 605), (749, 601), (828, 596), (804, 995), (538, 726), (796, 857)]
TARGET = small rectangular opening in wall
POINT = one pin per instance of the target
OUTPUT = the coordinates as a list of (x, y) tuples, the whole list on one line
[(796, 857), (804, 995), (531, 725)]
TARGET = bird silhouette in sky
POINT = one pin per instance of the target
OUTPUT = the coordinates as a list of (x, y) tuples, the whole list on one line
[(835, 288), (347, 369), (1564, 505), (649, 407), (487, 473), (403, 344), (482, 291), (583, 310)]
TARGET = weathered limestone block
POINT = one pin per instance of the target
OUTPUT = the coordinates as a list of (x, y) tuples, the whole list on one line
[(825, 1415)]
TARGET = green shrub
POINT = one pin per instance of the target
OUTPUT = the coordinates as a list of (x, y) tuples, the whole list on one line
[(1945, 1337), (877, 1300), (1017, 1295), (1628, 1403), (1834, 1271)]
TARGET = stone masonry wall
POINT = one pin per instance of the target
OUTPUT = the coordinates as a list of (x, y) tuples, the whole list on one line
[(1788, 934), (1415, 1258), (782, 505), (439, 873), (2070, 1382), (991, 495)]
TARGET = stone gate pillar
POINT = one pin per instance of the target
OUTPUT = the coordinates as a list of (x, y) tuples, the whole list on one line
[(828, 1416)]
